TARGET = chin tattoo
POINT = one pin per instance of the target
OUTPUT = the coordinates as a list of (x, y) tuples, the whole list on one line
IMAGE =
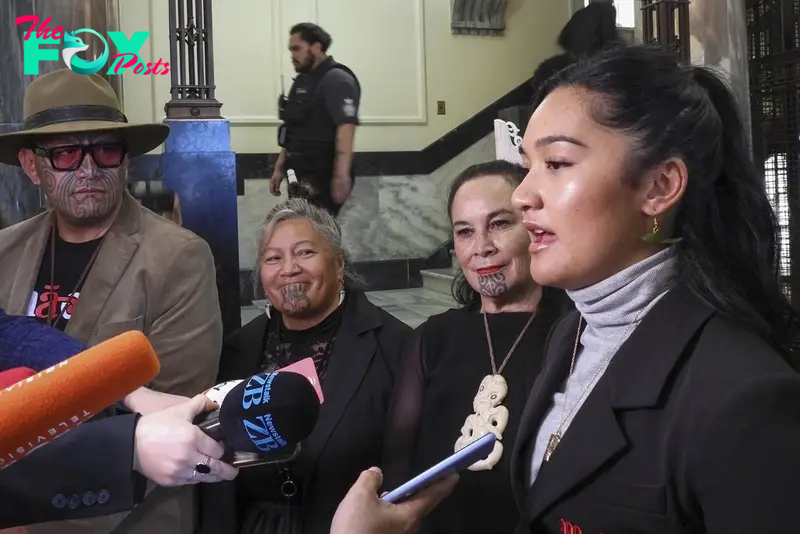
[(492, 285), (295, 298)]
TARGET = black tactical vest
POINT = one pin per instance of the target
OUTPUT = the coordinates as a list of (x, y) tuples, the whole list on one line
[(308, 132)]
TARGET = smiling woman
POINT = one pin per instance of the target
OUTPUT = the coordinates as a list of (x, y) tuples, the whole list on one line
[(468, 371), (315, 312)]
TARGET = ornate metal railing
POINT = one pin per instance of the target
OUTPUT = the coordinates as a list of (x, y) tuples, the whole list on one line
[(666, 23), (192, 61)]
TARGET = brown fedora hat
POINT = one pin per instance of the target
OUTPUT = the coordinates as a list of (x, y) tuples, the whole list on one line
[(64, 102)]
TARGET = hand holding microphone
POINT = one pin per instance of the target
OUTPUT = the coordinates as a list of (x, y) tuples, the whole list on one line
[(170, 450)]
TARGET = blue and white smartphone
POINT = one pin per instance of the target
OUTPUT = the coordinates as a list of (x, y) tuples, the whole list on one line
[(474, 452)]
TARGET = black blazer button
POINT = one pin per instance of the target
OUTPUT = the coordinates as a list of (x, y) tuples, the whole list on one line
[(59, 501), (103, 496), (89, 498), (75, 501)]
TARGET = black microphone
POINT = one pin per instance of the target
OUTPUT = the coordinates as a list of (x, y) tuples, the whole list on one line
[(267, 414)]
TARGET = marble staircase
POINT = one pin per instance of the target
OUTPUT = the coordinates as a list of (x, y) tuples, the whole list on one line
[(438, 280)]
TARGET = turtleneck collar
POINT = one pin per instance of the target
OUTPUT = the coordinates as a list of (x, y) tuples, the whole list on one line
[(617, 301)]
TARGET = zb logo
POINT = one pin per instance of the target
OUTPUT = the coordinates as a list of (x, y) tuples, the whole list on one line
[(128, 56)]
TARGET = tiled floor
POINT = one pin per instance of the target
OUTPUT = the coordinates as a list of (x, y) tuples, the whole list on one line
[(412, 306)]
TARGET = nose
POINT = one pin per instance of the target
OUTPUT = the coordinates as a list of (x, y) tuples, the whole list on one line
[(485, 245), (88, 166), (527, 196), (289, 266)]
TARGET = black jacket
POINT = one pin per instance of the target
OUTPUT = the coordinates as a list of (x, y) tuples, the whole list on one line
[(694, 428), (348, 436), (87, 472)]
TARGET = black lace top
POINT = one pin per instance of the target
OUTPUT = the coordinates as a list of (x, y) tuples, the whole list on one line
[(260, 488), (284, 347)]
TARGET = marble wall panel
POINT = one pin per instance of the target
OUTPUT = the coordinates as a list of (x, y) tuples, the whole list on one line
[(385, 218), (360, 219)]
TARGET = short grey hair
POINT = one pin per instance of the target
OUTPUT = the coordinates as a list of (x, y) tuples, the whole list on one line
[(321, 219)]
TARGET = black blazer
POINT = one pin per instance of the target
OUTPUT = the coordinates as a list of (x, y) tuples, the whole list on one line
[(348, 436), (694, 428), (85, 473)]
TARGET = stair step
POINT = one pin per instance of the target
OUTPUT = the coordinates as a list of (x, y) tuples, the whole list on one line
[(439, 280)]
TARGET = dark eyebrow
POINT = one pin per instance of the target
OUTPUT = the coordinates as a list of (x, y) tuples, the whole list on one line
[(550, 139), (492, 215)]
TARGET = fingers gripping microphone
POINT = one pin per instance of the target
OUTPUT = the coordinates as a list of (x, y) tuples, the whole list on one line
[(48, 404), (268, 414)]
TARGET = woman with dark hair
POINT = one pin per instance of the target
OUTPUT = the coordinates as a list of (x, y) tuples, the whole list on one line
[(666, 403), (468, 371)]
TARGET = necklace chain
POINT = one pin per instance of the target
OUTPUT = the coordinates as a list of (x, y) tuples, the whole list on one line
[(53, 321), (495, 370), (555, 438)]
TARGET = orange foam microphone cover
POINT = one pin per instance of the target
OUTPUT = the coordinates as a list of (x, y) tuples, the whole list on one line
[(49, 404)]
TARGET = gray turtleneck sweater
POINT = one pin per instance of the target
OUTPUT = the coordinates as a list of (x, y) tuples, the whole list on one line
[(609, 309)]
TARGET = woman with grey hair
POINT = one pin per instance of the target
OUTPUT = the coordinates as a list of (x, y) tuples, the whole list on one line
[(315, 311)]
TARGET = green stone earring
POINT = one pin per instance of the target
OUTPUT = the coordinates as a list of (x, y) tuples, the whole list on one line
[(653, 237)]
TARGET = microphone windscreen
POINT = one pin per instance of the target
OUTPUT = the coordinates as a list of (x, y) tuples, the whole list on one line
[(269, 412), (12, 376), (56, 400)]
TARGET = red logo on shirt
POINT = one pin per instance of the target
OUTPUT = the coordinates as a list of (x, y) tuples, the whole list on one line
[(570, 528), (49, 304)]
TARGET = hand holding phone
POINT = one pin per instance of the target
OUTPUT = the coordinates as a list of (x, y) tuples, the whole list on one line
[(475, 451)]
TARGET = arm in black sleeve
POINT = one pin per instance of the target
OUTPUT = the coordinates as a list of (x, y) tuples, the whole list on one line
[(88, 472), (745, 466), (342, 96), (405, 413)]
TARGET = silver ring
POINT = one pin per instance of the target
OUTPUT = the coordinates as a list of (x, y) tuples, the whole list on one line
[(194, 474)]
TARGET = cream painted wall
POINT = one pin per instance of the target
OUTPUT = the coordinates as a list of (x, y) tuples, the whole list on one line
[(402, 50)]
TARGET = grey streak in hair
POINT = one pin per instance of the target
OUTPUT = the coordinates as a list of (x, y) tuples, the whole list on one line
[(324, 222)]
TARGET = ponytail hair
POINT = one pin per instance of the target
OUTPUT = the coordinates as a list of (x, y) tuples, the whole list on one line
[(728, 256)]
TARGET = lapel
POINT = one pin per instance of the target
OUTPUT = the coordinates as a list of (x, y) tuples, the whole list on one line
[(115, 254), (28, 267), (353, 352), (635, 379), (558, 356), (243, 350)]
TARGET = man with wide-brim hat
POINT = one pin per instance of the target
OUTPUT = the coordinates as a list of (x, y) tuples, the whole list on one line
[(96, 264)]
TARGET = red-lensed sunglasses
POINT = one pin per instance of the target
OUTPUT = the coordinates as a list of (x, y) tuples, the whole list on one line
[(70, 157)]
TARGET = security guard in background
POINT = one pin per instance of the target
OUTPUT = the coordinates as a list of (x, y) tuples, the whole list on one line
[(319, 121)]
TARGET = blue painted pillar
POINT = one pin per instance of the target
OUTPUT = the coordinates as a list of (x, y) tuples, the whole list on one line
[(199, 166)]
